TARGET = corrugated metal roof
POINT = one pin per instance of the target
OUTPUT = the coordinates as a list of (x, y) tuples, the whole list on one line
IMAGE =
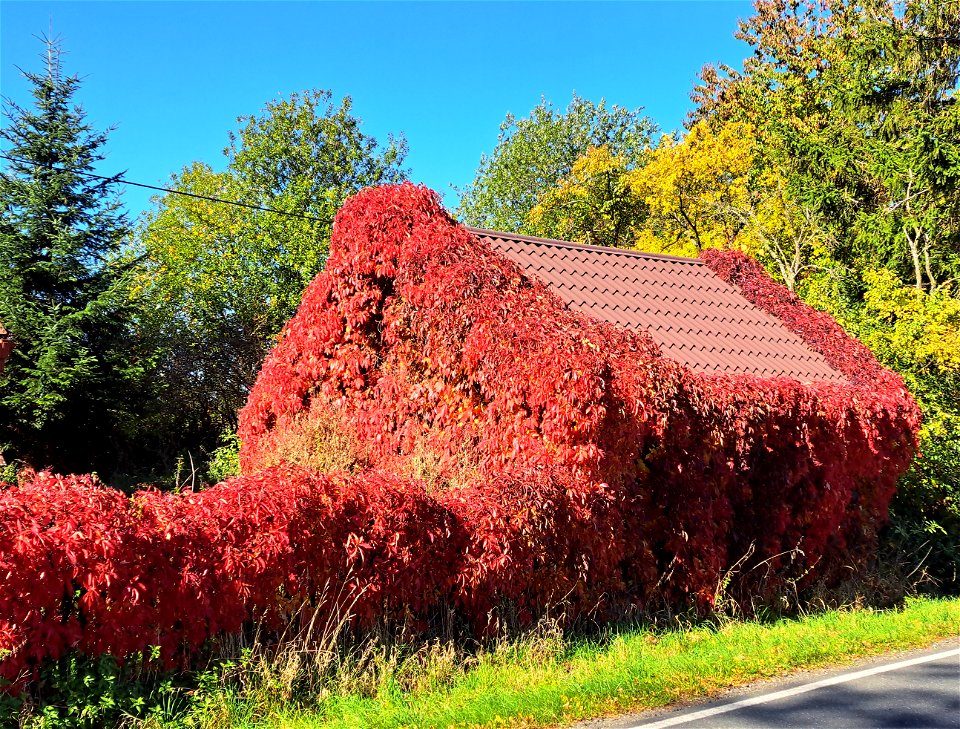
[(697, 318)]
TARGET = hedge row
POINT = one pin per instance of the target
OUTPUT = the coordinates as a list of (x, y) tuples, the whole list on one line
[(87, 567), (91, 569)]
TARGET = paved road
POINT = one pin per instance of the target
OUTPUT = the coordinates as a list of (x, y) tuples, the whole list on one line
[(917, 690)]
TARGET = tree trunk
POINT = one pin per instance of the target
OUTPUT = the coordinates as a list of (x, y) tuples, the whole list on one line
[(6, 346), (914, 244)]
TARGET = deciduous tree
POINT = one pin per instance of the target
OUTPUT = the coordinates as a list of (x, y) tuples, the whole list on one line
[(535, 153), (594, 204), (692, 188), (218, 281), (859, 100)]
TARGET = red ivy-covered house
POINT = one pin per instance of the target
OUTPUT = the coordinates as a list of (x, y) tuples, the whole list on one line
[(600, 422), (528, 422)]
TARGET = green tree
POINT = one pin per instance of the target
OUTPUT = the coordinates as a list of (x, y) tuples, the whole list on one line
[(64, 394), (534, 154), (219, 281), (859, 102), (916, 333)]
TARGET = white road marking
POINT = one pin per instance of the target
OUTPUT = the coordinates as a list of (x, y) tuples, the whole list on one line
[(753, 701)]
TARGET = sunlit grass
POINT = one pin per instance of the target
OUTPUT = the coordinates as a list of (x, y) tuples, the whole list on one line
[(546, 679)]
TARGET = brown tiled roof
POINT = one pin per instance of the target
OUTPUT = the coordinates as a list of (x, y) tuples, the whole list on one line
[(695, 317)]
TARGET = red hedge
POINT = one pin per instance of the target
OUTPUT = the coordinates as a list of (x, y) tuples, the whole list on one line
[(87, 567), (570, 461)]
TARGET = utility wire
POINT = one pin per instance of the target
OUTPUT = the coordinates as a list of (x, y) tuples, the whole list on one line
[(161, 189)]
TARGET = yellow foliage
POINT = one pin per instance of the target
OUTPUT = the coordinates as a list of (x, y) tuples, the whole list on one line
[(927, 326), (693, 189), (594, 204), (713, 189)]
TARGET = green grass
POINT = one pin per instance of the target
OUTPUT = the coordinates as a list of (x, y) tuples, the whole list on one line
[(547, 680)]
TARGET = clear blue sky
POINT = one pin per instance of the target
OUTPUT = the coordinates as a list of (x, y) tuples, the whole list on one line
[(173, 76)]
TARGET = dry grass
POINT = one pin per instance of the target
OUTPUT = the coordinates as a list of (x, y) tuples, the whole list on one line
[(438, 473), (318, 439), (323, 441), (884, 582)]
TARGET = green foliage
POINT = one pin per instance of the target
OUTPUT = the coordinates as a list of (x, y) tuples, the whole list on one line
[(307, 155), (918, 334), (8, 474), (217, 282), (224, 461), (859, 101), (915, 333), (82, 692), (535, 153), (66, 395)]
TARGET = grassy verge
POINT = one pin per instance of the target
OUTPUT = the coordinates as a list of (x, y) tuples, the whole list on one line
[(548, 680)]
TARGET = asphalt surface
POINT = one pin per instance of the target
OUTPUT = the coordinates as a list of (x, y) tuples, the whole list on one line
[(925, 695)]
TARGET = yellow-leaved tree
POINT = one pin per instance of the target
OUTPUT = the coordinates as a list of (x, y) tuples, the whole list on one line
[(595, 203), (710, 189), (691, 188), (713, 189)]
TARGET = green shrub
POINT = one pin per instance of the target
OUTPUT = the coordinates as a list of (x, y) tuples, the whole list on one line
[(225, 461), (79, 691)]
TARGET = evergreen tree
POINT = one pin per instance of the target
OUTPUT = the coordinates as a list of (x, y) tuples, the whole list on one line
[(62, 290)]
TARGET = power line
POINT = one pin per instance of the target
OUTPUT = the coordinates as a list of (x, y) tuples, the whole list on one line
[(161, 189)]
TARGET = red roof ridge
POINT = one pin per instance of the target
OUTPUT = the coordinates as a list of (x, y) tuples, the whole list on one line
[(582, 246)]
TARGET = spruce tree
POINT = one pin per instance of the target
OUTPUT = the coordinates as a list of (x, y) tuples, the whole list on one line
[(62, 287)]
